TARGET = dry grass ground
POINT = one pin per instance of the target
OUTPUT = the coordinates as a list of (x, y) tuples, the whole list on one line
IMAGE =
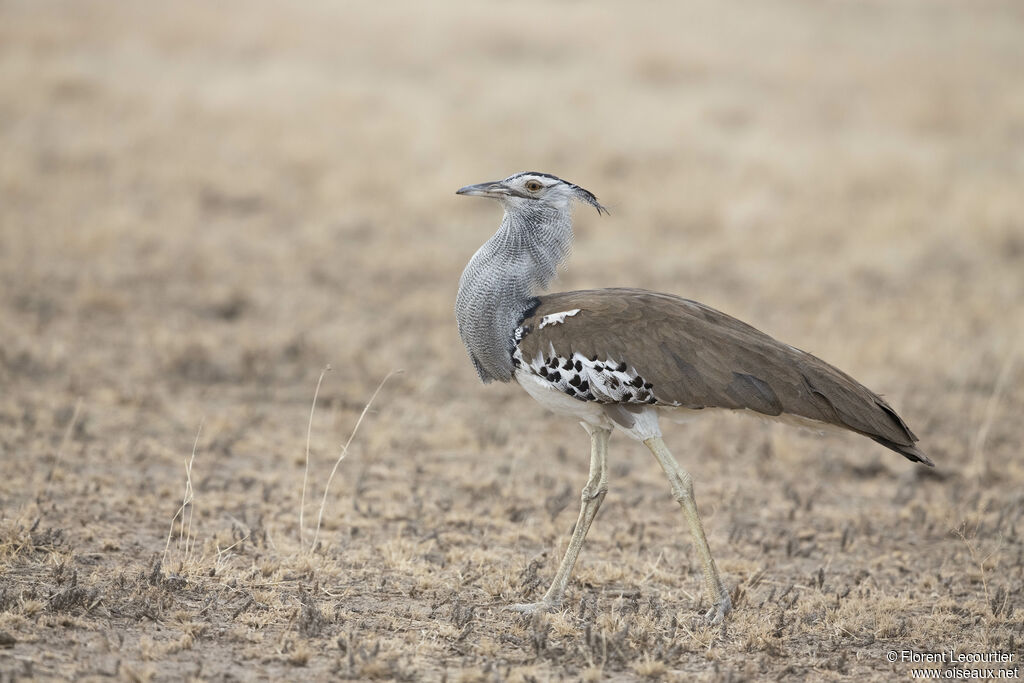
[(202, 204)]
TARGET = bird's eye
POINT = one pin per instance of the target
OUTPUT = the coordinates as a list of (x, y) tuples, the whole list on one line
[(533, 185)]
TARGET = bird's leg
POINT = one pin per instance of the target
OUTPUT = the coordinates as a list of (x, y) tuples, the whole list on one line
[(591, 497), (682, 490)]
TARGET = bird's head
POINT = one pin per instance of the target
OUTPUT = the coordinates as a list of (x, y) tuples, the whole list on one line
[(531, 191)]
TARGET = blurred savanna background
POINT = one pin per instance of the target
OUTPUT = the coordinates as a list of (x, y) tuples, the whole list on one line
[(203, 205)]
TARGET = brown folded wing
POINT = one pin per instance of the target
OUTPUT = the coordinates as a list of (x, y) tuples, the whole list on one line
[(696, 357)]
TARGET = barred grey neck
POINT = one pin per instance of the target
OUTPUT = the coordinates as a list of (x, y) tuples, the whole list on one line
[(502, 280)]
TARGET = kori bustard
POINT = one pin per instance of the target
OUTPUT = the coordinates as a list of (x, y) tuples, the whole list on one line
[(615, 358)]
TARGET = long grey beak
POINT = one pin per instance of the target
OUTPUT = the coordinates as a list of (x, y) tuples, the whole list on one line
[(492, 189)]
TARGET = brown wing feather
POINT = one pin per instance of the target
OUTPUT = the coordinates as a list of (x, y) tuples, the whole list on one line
[(697, 357)]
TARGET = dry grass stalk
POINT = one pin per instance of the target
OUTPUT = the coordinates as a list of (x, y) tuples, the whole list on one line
[(344, 452), (185, 533), (978, 463), (305, 471), (60, 449)]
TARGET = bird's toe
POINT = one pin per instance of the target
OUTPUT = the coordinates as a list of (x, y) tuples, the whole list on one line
[(716, 615)]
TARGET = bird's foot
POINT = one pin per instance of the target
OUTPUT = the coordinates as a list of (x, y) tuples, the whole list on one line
[(534, 607), (716, 615)]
